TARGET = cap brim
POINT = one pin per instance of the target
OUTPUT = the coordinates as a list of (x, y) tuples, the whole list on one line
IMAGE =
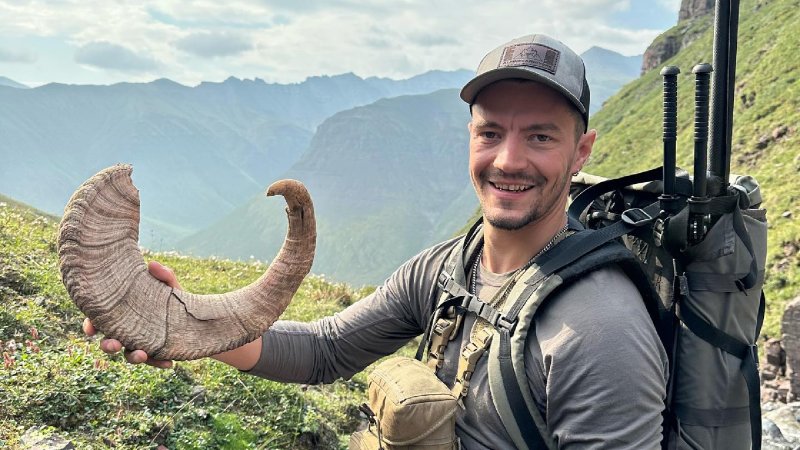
[(474, 86)]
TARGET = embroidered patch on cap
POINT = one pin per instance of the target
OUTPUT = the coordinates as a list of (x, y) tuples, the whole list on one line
[(537, 56)]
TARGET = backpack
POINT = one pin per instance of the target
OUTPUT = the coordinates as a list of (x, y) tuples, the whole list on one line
[(579, 253), (695, 248), (705, 301)]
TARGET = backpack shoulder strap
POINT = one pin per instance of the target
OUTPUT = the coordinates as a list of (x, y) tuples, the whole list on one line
[(576, 255), (461, 255)]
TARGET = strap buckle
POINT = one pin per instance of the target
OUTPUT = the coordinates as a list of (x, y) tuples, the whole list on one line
[(442, 333), (658, 232), (501, 321), (636, 217), (470, 356)]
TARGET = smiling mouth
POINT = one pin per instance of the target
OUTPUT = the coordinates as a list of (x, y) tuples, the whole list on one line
[(512, 187)]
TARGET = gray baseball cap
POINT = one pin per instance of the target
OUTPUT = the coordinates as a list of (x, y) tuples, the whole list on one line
[(539, 58)]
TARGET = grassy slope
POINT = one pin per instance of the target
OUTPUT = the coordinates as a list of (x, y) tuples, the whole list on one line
[(57, 377), (768, 76)]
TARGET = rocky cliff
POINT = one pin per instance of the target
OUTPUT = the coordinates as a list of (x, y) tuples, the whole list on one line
[(694, 18)]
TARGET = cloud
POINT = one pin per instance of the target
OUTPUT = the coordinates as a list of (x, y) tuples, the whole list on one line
[(432, 40), (106, 55), (12, 56), (671, 5), (214, 44), (289, 40)]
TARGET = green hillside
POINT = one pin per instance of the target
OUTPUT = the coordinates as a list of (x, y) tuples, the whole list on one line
[(388, 179), (52, 375), (765, 140)]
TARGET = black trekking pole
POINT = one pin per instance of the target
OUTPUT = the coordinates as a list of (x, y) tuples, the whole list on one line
[(726, 27), (668, 200), (698, 203)]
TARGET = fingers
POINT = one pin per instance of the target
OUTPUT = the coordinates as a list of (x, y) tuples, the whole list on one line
[(110, 346), (164, 274), (139, 357), (113, 346), (88, 328), (135, 356), (159, 363)]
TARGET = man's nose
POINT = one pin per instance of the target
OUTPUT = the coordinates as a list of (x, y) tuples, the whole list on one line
[(511, 156)]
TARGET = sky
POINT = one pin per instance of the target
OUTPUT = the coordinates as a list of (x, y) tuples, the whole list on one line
[(286, 41)]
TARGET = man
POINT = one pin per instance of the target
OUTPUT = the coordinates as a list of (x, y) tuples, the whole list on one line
[(595, 366)]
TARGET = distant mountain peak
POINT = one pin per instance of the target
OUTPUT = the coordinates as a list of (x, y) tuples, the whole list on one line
[(11, 83), (595, 50), (166, 82)]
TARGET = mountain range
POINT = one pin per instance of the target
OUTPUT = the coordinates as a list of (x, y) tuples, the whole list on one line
[(4, 81), (383, 159), (606, 72)]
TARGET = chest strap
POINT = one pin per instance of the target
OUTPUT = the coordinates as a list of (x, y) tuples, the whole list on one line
[(472, 352)]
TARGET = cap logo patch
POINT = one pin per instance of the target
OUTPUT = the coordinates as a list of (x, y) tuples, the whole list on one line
[(537, 56)]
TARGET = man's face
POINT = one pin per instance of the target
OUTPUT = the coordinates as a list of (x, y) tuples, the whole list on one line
[(523, 150)]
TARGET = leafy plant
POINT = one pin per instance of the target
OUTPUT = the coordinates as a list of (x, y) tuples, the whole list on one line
[(52, 375)]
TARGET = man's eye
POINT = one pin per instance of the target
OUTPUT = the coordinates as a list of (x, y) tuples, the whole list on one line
[(541, 138), (489, 134)]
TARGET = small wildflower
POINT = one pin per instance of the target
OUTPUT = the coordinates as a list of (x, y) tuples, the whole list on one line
[(8, 361), (34, 334), (100, 364), (32, 347)]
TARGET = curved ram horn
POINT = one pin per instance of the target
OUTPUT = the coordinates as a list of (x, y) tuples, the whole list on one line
[(106, 276)]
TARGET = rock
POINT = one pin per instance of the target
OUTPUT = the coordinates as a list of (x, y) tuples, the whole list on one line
[(670, 43), (660, 51), (785, 420), (695, 8), (771, 431), (780, 132), (763, 142), (776, 356), (791, 345), (198, 394), (40, 438), (786, 214)]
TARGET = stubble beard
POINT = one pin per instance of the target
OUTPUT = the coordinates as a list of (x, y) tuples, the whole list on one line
[(538, 210)]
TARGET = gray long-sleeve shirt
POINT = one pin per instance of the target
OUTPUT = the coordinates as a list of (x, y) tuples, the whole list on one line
[(595, 366)]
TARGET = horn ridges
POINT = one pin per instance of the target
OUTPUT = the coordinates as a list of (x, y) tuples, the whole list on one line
[(105, 275)]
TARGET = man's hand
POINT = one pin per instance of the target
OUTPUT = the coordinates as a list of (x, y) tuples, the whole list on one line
[(112, 346)]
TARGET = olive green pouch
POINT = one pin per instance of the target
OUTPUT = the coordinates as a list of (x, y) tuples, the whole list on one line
[(409, 408)]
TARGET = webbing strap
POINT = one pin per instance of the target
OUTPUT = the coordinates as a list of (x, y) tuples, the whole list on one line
[(749, 280), (453, 266), (580, 244), (718, 206), (712, 417), (519, 409), (440, 335), (742, 350), (718, 282), (462, 300), (585, 198), (468, 360)]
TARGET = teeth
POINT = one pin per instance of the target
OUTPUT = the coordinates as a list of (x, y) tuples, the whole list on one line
[(512, 187)]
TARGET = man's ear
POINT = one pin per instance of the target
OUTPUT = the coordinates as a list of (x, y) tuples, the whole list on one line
[(584, 149)]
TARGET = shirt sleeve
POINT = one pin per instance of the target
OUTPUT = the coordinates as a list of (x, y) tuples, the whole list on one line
[(342, 345), (600, 371)]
